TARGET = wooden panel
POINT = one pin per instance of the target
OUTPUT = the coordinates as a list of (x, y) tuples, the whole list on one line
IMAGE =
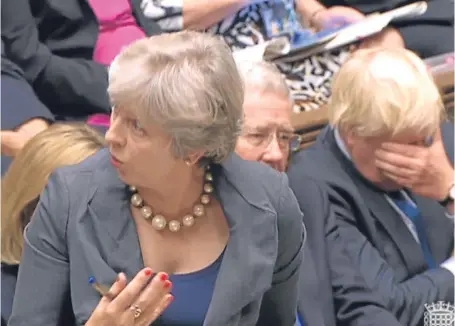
[(443, 74), (306, 145), (310, 135), (309, 120), (447, 98), (444, 79)]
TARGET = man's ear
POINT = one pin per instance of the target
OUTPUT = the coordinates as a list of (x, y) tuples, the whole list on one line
[(349, 136)]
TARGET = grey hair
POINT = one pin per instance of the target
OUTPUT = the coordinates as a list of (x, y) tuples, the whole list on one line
[(186, 82), (263, 76)]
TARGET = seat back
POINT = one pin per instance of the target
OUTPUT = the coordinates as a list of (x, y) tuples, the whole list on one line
[(308, 124), (442, 69)]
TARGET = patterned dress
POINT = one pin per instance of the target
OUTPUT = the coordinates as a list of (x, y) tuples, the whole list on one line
[(308, 79)]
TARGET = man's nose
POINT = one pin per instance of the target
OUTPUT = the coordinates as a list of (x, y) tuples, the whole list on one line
[(274, 154)]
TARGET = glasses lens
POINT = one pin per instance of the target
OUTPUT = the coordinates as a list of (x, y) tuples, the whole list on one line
[(294, 143)]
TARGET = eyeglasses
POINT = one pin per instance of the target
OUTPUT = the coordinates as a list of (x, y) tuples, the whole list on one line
[(286, 140)]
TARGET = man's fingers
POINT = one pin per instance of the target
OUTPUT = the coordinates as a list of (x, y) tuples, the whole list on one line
[(401, 181), (395, 160), (402, 149)]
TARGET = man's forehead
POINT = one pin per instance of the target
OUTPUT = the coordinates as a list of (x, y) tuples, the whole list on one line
[(268, 124)]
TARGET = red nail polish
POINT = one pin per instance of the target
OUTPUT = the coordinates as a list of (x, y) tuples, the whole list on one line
[(163, 277), (167, 284), (148, 272)]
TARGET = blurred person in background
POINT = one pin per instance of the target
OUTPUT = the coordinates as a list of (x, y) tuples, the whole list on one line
[(59, 145), (245, 23), (23, 114), (389, 178), (62, 49)]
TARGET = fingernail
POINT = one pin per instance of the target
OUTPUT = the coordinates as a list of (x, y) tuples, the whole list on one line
[(163, 277), (91, 280), (118, 277), (148, 272), (167, 284)]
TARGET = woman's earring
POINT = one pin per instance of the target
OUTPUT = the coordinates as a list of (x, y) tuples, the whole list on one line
[(187, 162)]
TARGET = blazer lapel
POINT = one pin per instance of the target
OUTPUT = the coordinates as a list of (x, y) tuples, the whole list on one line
[(438, 227), (393, 224), (247, 268), (110, 217), (381, 210)]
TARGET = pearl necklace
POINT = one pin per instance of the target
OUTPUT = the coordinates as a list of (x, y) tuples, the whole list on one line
[(159, 222)]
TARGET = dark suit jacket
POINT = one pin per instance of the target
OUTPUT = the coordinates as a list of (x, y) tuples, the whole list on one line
[(83, 227), (53, 41), (9, 276), (332, 291), (383, 249)]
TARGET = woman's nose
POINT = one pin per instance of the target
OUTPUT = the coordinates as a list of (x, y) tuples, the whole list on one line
[(114, 135)]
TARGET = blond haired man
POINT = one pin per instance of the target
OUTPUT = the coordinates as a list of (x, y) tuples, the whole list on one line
[(389, 179)]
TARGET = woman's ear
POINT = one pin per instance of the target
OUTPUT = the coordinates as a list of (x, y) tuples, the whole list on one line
[(194, 158)]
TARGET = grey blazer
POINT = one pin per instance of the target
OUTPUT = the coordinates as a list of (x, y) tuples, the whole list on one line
[(83, 227)]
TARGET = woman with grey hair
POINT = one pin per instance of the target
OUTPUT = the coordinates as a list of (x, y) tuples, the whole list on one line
[(167, 212)]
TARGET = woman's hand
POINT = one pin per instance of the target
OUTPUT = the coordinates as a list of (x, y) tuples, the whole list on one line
[(138, 303), (13, 141), (334, 17)]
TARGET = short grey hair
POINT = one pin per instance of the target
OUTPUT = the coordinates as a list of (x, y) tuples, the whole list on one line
[(186, 82), (263, 76)]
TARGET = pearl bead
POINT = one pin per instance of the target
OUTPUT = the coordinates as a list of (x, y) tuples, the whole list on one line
[(136, 200), (208, 188), (188, 220), (133, 189), (174, 226), (205, 199), (198, 210), (159, 222), (146, 212), (208, 176)]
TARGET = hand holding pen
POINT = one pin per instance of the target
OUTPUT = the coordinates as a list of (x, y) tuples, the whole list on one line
[(138, 303)]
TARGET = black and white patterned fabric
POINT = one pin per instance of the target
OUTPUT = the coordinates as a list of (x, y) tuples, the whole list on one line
[(309, 79), (167, 13)]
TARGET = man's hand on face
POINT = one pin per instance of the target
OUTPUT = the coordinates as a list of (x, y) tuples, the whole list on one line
[(426, 170)]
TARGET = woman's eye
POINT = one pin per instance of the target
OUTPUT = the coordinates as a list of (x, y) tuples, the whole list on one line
[(256, 135), (137, 126)]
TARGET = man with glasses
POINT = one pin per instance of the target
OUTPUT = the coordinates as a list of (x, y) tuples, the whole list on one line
[(332, 293), (267, 134)]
